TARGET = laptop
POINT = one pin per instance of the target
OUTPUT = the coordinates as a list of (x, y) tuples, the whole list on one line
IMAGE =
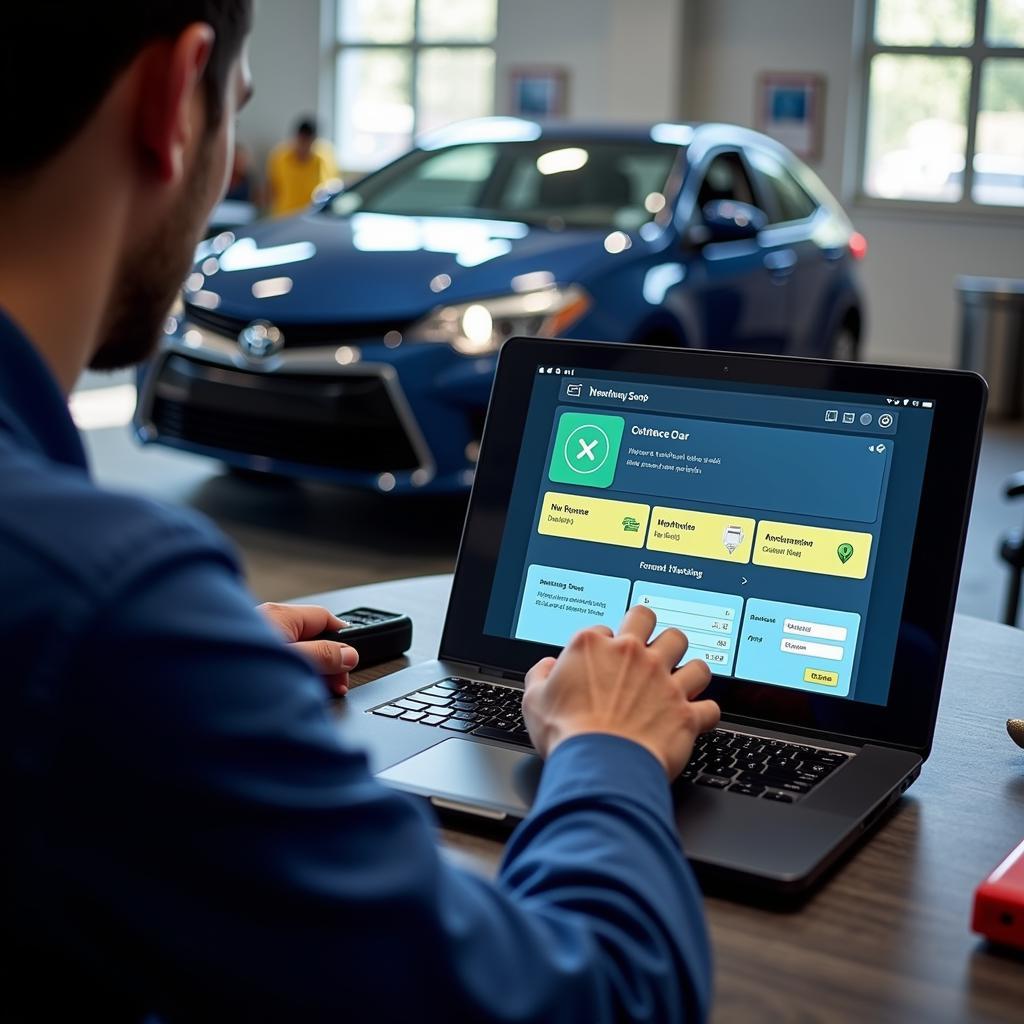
[(801, 520)]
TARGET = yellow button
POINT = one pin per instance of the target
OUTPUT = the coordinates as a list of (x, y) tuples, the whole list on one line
[(820, 676), (812, 549), (704, 534), (601, 520)]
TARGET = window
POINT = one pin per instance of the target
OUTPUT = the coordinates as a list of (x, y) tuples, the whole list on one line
[(945, 102), (725, 178), (571, 183), (408, 66), (787, 197)]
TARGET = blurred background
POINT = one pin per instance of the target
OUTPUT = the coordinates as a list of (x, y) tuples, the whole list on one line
[(910, 112)]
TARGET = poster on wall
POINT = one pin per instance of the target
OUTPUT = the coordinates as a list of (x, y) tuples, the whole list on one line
[(538, 92), (790, 108)]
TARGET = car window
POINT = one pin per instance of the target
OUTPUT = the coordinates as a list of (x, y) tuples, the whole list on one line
[(570, 183), (788, 197), (725, 178), (450, 180)]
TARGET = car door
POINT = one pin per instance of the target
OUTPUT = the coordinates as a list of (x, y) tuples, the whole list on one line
[(733, 286), (790, 235)]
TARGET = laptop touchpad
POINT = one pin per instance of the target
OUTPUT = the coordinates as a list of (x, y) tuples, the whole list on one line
[(475, 774)]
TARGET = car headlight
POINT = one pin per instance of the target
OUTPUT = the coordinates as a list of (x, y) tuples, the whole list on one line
[(475, 328)]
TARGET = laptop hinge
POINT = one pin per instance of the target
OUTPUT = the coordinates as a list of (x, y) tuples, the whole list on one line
[(490, 672)]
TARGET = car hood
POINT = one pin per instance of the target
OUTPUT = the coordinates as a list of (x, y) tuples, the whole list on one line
[(317, 267)]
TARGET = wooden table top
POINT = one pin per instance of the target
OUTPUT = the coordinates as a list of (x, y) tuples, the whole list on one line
[(888, 937)]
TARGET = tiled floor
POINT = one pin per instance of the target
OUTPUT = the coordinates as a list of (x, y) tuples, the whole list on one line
[(300, 539)]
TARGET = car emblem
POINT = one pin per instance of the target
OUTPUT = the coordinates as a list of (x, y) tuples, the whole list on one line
[(260, 339)]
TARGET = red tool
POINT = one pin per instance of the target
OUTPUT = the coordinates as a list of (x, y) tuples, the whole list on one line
[(999, 902)]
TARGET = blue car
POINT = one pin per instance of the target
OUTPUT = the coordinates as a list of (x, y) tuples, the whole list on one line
[(356, 341)]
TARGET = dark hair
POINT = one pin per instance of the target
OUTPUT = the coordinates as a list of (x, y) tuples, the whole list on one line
[(59, 58), (307, 127)]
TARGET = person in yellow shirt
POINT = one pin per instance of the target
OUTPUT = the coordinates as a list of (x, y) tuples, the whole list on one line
[(296, 167)]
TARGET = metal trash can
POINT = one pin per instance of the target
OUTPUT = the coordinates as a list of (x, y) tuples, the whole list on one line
[(992, 339)]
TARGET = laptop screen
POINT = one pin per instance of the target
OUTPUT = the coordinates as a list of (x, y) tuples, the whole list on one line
[(773, 525)]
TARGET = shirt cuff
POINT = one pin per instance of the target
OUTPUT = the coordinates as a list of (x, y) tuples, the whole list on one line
[(602, 765)]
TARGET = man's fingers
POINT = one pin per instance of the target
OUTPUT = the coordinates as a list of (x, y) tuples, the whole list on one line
[(327, 657), (670, 645), (706, 714), (639, 622), (693, 677), (301, 621), (540, 671)]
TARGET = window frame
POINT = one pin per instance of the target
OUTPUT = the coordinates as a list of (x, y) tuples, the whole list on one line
[(976, 53), (414, 47)]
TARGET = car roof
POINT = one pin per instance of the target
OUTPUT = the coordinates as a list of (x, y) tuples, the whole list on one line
[(519, 129)]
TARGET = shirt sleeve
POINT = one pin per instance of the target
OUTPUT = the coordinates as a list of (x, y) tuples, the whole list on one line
[(225, 853)]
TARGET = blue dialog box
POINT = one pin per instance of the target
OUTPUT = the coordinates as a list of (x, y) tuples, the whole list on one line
[(798, 646)]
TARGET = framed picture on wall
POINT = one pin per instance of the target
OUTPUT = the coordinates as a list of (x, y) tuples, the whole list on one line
[(791, 109), (538, 92)]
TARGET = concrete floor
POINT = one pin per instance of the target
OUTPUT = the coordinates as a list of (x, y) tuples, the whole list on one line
[(301, 539)]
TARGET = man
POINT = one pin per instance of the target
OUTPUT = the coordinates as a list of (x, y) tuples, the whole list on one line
[(187, 836), (296, 168)]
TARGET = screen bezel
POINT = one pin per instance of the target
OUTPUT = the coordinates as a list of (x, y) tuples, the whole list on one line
[(908, 719)]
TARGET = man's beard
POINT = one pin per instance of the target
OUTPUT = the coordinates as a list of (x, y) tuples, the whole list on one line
[(151, 276)]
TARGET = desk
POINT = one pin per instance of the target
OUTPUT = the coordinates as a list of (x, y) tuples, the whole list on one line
[(887, 938)]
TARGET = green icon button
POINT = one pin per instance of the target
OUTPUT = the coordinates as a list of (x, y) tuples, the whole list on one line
[(845, 552), (586, 449)]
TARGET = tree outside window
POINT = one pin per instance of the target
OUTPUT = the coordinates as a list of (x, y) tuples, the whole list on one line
[(408, 66), (945, 102)]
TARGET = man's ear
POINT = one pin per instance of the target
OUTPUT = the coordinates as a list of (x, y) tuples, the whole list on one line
[(172, 108)]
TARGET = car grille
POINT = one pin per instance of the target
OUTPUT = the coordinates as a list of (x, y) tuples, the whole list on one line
[(341, 422), (297, 335)]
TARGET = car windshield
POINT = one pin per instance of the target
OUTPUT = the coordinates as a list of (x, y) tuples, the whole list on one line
[(563, 183)]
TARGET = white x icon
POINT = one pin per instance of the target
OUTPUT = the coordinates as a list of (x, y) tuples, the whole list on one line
[(587, 449)]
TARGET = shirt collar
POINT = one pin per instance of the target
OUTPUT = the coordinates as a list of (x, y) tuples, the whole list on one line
[(32, 407)]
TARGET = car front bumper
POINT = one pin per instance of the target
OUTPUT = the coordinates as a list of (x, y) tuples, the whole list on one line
[(364, 415)]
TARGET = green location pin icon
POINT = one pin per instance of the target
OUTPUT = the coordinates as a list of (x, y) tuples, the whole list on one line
[(845, 552)]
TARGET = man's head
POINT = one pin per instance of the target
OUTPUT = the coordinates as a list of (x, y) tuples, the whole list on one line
[(305, 136), (145, 92)]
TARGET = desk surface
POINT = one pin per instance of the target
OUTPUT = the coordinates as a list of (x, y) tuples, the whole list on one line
[(887, 938)]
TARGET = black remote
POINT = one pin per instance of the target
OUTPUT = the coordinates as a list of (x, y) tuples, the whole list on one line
[(377, 636)]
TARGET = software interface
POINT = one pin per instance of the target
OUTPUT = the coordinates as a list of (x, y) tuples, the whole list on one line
[(773, 526)]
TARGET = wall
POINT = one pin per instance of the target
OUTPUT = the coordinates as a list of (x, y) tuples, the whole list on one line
[(284, 52), (622, 56), (914, 257)]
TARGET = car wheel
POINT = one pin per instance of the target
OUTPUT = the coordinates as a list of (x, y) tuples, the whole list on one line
[(845, 345)]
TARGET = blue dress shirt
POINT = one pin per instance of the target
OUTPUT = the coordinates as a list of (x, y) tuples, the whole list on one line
[(189, 835)]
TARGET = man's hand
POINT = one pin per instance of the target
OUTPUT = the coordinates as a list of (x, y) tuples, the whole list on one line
[(298, 623), (621, 684)]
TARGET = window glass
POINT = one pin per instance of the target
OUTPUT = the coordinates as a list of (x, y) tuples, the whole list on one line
[(790, 199), (917, 126), (375, 113), (375, 21), (458, 21), (1004, 23), (453, 84), (725, 178), (449, 182), (574, 184), (999, 142), (924, 22)]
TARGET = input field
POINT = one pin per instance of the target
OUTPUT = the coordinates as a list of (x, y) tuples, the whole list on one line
[(815, 629), (810, 650), (692, 620)]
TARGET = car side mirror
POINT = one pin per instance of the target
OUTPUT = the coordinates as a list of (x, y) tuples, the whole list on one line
[(728, 220)]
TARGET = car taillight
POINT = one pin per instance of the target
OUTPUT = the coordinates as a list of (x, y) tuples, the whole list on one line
[(858, 246)]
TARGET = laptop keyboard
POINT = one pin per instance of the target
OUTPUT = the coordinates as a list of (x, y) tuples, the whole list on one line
[(742, 763), (464, 706), (759, 767)]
